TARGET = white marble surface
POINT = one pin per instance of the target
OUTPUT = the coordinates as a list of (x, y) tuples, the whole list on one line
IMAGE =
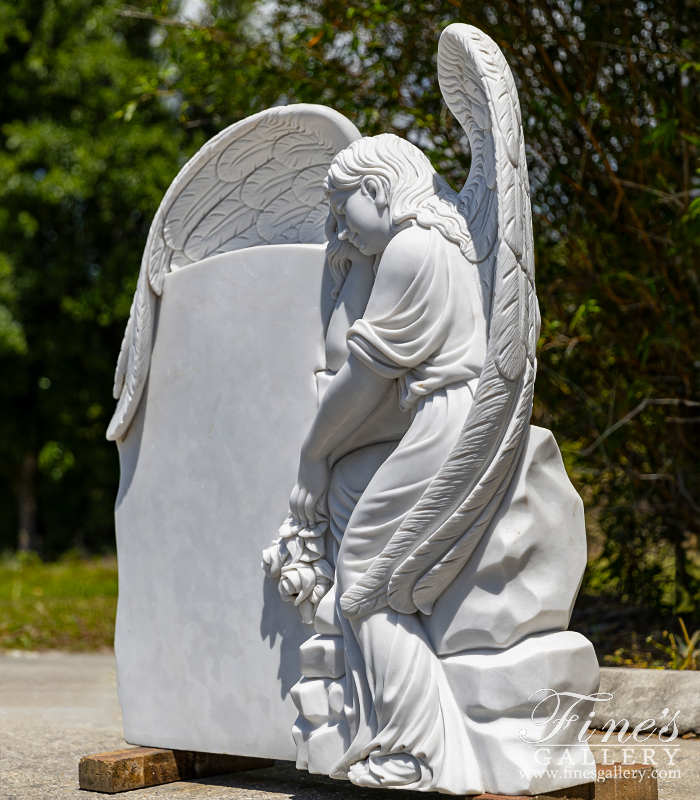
[(459, 545), (206, 651), (525, 573), (494, 691)]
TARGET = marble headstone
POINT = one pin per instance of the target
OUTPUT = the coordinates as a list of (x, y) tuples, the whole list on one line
[(216, 387), (206, 651)]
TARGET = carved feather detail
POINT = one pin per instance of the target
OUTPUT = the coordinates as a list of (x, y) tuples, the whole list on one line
[(312, 229), (441, 532), (228, 219), (495, 483), (258, 182)]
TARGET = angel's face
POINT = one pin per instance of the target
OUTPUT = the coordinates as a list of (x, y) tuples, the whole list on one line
[(363, 217)]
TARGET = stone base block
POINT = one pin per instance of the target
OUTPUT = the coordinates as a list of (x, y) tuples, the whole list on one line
[(312, 697), (635, 692), (322, 657), (327, 620), (139, 767), (507, 697), (327, 745)]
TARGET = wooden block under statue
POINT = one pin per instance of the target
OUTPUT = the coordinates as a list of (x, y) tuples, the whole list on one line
[(140, 767)]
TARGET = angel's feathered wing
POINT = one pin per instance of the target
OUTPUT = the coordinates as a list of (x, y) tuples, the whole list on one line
[(441, 532), (258, 182)]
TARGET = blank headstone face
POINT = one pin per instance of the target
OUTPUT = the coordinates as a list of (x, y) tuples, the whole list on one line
[(206, 649)]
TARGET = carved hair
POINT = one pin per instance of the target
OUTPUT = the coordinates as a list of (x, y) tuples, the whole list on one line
[(415, 191), (339, 256)]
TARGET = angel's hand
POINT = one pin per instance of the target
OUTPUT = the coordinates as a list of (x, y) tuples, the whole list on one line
[(307, 499)]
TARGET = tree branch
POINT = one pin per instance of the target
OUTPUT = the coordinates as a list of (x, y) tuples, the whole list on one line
[(217, 35), (663, 401)]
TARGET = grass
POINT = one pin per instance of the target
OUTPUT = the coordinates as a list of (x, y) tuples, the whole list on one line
[(634, 636), (69, 604), (675, 651)]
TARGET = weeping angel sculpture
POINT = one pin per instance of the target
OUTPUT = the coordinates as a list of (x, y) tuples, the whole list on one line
[(433, 539), (422, 422)]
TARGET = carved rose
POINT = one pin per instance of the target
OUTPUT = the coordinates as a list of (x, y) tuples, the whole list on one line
[(296, 559)]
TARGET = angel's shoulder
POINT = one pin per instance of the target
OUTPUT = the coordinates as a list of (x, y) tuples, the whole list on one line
[(405, 254), (412, 242)]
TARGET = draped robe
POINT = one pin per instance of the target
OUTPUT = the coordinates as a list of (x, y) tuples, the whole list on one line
[(425, 327)]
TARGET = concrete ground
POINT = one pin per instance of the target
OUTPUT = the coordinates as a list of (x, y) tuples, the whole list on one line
[(55, 708)]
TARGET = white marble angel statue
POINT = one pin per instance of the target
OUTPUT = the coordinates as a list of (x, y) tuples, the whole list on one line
[(423, 421), (433, 539)]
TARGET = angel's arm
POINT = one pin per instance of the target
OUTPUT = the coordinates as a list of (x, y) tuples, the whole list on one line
[(352, 396)]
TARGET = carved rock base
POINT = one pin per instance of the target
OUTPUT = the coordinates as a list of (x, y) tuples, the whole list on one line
[(320, 731), (322, 657), (492, 689)]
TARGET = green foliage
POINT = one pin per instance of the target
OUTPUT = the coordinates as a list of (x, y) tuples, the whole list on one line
[(105, 100), (682, 653), (78, 186), (54, 461), (67, 605), (12, 339)]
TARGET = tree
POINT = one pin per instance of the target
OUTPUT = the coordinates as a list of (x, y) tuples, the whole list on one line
[(82, 166), (611, 110)]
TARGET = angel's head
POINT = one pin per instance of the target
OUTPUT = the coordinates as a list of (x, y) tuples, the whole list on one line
[(380, 185)]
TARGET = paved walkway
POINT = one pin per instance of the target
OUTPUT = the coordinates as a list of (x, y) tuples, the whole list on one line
[(55, 708)]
